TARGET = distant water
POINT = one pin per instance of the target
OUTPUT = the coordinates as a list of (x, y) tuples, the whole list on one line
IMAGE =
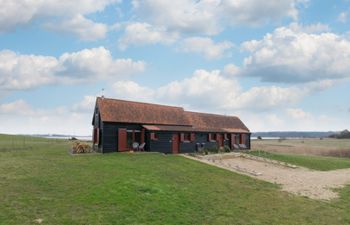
[(266, 138), (83, 138)]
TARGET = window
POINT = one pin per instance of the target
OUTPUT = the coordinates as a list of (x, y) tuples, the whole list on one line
[(238, 138), (211, 137), (154, 136), (226, 137), (187, 137)]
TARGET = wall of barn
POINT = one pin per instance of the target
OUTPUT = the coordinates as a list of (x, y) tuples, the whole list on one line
[(110, 135), (164, 142), (109, 139)]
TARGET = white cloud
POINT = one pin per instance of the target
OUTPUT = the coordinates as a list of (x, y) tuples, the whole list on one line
[(25, 71), (96, 63), (18, 107), (131, 90), (209, 17), (19, 72), (298, 114), (86, 105), (309, 29), (206, 47), (19, 117), (22, 12), (255, 12), (180, 16), (144, 33), (215, 91), (292, 55), (343, 17), (81, 27), (231, 70)]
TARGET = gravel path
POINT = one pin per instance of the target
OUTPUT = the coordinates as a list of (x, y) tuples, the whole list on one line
[(301, 181)]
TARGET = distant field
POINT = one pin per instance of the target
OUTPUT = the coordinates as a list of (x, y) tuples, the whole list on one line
[(325, 147), (40, 180), (322, 163)]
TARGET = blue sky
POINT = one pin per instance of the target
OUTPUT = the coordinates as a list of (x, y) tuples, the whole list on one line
[(279, 65)]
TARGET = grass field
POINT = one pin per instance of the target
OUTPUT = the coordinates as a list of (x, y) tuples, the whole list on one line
[(313, 162), (44, 182), (308, 146)]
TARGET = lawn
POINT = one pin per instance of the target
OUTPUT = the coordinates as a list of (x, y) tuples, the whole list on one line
[(313, 162), (41, 180)]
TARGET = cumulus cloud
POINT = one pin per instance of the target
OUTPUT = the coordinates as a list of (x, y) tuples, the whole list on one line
[(21, 12), (292, 55), (181, 16), (217, 92), (19, 72), (209, 17), (256, 12), (81, 27), (96, 63), (144, 33), (206, 46), (25, 71)]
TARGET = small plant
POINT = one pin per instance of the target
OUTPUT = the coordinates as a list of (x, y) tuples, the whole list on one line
[(227, 149)]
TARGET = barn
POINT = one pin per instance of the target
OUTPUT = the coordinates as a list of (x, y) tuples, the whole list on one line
[(120, 125)]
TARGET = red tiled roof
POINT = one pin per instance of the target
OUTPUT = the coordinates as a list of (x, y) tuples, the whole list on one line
[(206, 121), (114, 110), (169, 118)]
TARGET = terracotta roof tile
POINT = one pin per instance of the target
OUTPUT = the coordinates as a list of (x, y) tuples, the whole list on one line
[(170, 118), (214, 121), (114, 110)]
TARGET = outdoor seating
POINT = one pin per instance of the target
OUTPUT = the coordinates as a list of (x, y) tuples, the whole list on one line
[(135, 146), (235, 146), (142, 147), (242, 146)]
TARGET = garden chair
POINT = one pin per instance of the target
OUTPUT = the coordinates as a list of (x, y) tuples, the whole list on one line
[(142, 147)]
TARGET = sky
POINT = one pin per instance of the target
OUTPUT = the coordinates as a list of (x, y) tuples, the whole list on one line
[(280, 65)]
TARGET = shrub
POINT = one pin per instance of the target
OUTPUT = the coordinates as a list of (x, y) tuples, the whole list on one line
[(227, 149)]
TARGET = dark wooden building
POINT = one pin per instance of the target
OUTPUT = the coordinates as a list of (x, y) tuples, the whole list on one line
[(118, 124)]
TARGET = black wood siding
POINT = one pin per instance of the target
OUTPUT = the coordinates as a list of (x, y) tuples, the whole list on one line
[(109, 139), (110, 135), (163, 144)]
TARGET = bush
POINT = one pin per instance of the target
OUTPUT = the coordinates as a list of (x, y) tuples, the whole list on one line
[(227, 149), (78, 148)]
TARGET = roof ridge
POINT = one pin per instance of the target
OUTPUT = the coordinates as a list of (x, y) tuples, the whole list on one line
[(210, 114), (145, 103)]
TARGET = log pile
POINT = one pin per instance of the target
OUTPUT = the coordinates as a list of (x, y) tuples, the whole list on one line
[(79, 148)]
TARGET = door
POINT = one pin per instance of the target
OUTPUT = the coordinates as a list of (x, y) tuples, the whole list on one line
[(122, 137), (220, 140), (175, 143), (232, 141)]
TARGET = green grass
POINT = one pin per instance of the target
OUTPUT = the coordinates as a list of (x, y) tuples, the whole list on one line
[(46, 182), (313, 162)]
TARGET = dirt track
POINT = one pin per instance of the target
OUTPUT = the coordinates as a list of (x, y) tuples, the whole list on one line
[(301, 181)]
